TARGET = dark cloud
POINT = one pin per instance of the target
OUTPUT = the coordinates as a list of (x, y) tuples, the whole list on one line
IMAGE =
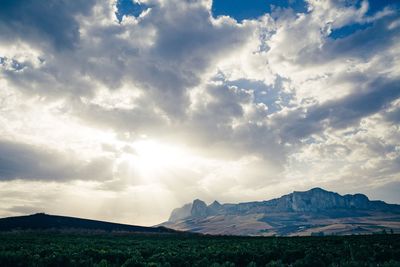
[(368, 40), (393, 115), (24, 161), (38, 22), (372, 97), (365, 43), (165, 53), (186, 44), (138, 120)]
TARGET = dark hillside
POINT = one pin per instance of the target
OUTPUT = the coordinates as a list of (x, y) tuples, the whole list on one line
[(41, 221)]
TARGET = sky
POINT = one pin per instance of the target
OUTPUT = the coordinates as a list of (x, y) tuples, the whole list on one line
[(122, 110)]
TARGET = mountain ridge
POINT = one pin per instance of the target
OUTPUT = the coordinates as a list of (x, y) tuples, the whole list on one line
[(304, 209)]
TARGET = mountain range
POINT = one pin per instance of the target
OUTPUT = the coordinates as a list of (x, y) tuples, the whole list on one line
[(316, 211)]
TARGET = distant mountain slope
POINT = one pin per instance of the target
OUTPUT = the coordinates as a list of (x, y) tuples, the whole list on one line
[(298, 213), (41, 221)]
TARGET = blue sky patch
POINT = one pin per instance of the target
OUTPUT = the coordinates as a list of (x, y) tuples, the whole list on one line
[(379, 5), (15, 65), (348, 30), (271, 96), (374, 7), (129, 8), (252, 9)]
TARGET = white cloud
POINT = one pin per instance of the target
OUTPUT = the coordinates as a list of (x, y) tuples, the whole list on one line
[(229, 111)]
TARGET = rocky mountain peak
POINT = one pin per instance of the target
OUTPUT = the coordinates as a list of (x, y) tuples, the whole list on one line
[(215, 204), (318, 199), (294, 213), (199, 208), (214, 208), (181, 213), (315, 200)]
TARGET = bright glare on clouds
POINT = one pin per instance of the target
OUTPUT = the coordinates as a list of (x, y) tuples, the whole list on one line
[(126, 120), (152, 158)]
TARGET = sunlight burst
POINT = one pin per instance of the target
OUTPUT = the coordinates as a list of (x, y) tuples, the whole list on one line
[(151, 158)]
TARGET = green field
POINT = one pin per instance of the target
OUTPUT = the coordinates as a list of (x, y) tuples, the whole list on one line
[(73, 249)]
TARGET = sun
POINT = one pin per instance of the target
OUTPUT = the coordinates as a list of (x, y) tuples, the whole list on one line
[(152, 159)]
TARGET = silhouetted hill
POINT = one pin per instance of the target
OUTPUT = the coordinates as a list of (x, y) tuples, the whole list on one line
[(41, 221)]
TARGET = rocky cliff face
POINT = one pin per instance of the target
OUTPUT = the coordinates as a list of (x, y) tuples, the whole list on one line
[(311, 201), (181, 213), (298, 213), (318, 199), (215, 208), (199, 208), (196, 209)]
